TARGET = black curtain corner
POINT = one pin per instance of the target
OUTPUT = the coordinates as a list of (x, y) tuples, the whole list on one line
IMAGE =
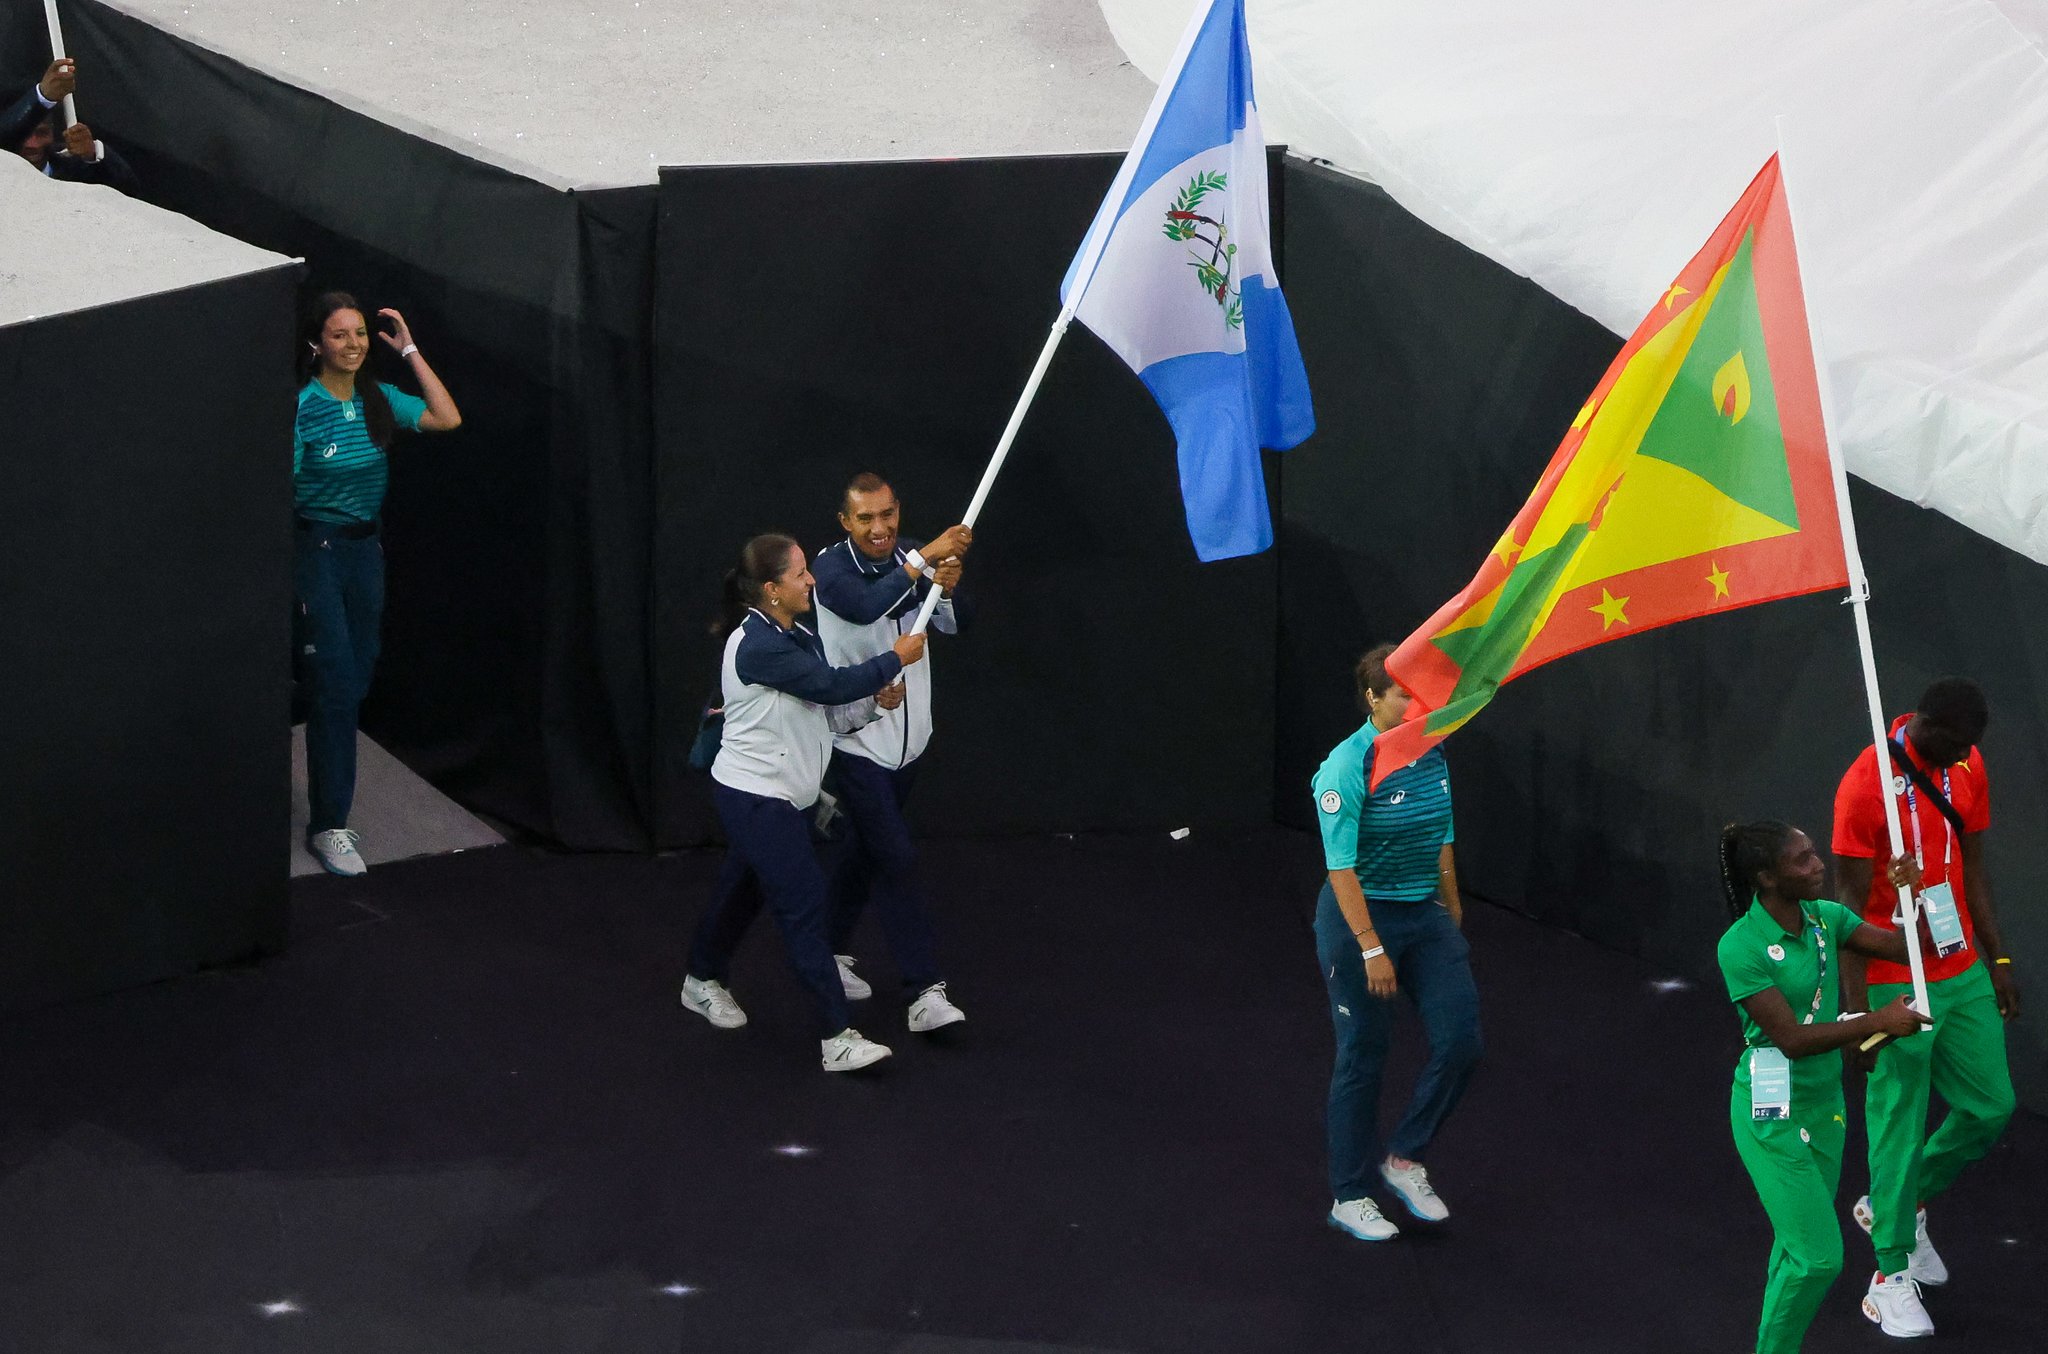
[(145, 590)]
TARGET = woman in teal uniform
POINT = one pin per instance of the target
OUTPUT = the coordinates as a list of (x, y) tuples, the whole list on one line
[(1387, 922), (1781, 960), (339, 471)]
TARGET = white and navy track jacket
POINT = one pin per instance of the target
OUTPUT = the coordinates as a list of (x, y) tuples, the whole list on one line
[(862, 605), (778, 692)]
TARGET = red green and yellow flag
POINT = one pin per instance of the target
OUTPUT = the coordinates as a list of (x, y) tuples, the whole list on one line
[(1695, 480)]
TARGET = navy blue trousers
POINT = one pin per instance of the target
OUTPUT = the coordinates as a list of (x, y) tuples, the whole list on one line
[(769, 859), (876, 860), (1433, 966), (339, 584)]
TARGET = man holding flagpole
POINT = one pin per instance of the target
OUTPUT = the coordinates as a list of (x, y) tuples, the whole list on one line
[(1939, 779)]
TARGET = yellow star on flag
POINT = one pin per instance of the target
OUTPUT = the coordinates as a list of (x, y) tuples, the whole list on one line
[(1719, 578), (1610, 608), (1675, 292), (1507, 548)]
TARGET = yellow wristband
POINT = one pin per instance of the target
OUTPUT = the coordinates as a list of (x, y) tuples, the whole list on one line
[(2001, 960)]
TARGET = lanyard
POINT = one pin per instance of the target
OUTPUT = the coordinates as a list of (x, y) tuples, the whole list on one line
[(1948, 834), (1820, 941)]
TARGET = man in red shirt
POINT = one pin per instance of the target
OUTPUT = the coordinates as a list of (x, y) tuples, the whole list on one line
[(1937, 776)]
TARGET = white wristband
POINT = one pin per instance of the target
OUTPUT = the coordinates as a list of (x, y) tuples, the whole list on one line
[(1374, 953), (914, 560), (408, 350)]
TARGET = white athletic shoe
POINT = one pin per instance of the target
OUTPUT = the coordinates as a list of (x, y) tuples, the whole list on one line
[(1411, 1183), (850, 1050), (1924, 1265), (1363, 1219), (932, 1011), (856, 988), (335, 849), (710, 1000), (1894, 1304)]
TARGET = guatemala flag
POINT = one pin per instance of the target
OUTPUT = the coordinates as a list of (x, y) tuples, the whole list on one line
[(1177, 276)]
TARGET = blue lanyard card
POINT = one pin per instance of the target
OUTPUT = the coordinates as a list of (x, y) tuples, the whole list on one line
[(1770, 1084), (1944, 921)]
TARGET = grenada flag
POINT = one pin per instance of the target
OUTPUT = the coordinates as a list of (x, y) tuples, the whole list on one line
[(1695, 480)]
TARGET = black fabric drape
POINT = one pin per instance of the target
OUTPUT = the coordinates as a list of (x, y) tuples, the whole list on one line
[(514, 672)]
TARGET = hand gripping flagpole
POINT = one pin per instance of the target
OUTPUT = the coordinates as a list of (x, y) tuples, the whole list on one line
[(1098, 239), (1908, 915), (57, 53)]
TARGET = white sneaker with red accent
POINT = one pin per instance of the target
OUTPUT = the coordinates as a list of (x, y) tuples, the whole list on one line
[(1894, 1304), (1924, 1265)]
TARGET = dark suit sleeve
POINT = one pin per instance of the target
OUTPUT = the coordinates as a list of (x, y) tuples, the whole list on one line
[(853, 596), (110, 171), (766, 660), (20, 119)]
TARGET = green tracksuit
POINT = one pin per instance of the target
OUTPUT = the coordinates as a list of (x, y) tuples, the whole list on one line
[(1796, 1162), (1961, 1059)]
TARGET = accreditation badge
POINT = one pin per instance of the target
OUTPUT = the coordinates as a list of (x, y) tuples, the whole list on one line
[(1944, 919), (1770, 1084)]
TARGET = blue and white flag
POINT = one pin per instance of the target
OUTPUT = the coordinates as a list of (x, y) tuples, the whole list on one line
[(1179, 269)]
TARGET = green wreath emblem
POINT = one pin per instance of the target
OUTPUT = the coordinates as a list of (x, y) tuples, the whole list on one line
[(1214, 267)]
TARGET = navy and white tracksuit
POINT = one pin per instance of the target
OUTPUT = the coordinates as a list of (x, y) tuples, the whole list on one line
[(780, 695), (863, 605)]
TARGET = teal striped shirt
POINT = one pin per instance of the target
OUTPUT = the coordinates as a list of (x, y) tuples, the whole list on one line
[(1393, 836), (338, 473)]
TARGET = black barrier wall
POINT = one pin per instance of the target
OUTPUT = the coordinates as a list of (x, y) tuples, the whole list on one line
[(514, 671), (1590, 793), (145, 594), (820, 320)]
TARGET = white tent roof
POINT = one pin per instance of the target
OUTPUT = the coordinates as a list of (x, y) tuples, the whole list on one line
[(71, 246), (601, 93), (1591, 145)]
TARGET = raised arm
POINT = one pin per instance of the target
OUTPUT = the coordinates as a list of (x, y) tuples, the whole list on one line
[(441, 416), (856, 597)]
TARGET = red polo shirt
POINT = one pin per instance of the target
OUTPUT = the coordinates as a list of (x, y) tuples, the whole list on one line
[(1860, 831)]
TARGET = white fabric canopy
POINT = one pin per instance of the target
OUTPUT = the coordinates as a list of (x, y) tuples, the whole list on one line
[(71, 246), (1591, 145)]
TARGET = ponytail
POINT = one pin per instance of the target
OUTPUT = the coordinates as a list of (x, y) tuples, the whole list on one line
[(1747, 850), (762, 561)]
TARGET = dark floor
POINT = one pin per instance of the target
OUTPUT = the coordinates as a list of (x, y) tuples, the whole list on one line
[(465, 1113)]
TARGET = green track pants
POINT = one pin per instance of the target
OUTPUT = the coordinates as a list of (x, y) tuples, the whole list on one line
[(1961, 1059), (1796, 1164)]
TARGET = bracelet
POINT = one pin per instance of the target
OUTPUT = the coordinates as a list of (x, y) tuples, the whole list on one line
[(408, 350), (2001, 960), (1374, 953)]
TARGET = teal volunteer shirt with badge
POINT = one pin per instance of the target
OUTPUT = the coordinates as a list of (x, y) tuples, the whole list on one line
[(1392, 837), (338, 473), (1757, 954)]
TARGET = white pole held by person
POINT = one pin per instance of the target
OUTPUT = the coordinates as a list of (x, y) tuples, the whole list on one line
[(57, 53), (1908, 915), (1091, 256)]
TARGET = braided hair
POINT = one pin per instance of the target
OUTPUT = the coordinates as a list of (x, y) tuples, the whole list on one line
[(1747, 850)]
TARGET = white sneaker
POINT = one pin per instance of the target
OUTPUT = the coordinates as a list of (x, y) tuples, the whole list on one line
[(335, 849), (850, 1050), (856, 988), (709, 999), (1363, 1219), (1411, 1183), (1924, 1265), (932, 1011), (1894, 1304)]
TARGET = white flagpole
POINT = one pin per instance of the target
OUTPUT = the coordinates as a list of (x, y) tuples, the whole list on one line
[(1098, 239), (57, 53), (1908, 915)]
